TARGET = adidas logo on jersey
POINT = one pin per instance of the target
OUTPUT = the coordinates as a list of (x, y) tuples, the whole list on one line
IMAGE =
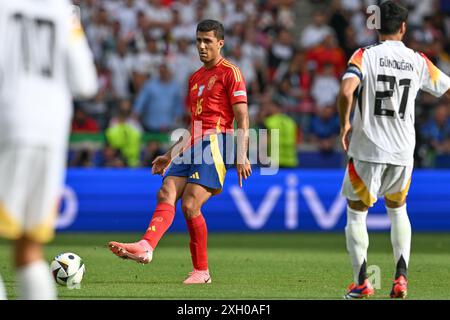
[(195, 175)]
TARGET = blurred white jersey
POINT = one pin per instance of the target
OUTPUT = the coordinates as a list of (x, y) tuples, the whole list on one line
[(44, 60), (383, 122)]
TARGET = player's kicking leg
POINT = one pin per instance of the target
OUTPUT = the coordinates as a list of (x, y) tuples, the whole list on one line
[(401, 244), (357, 240), (142, 251), (139, 251), (194, 196)]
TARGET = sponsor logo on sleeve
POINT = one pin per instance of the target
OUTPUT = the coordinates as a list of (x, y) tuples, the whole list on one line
[(240, 93)]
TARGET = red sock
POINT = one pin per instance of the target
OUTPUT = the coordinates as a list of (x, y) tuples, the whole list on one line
[(199, 242), (161, 221)]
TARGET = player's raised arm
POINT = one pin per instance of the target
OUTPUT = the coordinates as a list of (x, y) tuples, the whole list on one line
[(243, 166), (345, 102)]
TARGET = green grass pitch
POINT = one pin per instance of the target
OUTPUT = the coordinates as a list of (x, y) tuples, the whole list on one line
[(244, 266)]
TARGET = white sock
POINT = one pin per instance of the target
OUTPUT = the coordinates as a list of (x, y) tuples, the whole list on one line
[(357, 240), (36, 282), (2, 290), (400, 235)]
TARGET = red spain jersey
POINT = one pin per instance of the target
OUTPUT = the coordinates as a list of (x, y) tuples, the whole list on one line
[(212, 93)]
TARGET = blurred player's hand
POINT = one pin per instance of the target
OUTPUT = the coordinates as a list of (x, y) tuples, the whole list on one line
[(160, 164), (244, 170), (345, 136)]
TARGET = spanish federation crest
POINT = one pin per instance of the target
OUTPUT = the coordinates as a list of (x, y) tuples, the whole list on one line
[(211, 81)]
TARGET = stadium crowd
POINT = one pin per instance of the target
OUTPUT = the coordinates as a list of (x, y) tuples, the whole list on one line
[(145, 52)]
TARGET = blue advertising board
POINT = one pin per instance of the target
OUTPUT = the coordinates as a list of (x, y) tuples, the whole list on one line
[(291, 200)]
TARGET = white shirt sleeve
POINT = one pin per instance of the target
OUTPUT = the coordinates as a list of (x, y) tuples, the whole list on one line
[(81, 71), (356, 65), (433, 80)]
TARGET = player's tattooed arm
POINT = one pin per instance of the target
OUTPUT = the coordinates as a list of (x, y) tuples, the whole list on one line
[(243, 166), (345, 102)]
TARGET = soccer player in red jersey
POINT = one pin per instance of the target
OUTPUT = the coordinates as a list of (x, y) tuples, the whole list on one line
[(217, 96)]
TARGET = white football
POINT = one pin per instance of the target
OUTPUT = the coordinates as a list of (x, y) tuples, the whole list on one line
[(68, 269)]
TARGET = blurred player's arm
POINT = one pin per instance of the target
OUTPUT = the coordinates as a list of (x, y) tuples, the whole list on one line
[(345, 103), (243, 166), (81, 69)]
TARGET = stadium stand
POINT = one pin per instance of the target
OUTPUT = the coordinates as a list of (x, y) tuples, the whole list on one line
[(293, 52)]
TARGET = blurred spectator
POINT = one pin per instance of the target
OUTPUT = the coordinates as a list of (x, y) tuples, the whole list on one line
[(325, 87), (127, 18), (286, 96), (159, 104), (287, 129), (98, 108), (327, 52), (351, 44), (83, 123), (98, 31), (120, 63), (237, 12), (183, 61), (115, 33), (235, 37), (147, 62), (124, 135), (428, 32), (112, 158), (418, 10), (124, 115), (81, 157), (300, 80), (325, 129), (339, 22), (314, 33), (286, 14), (437, 130), (253, 50), (352, 5), (82, 152), (282, 49), (182, 29), (363, 35), (296, 70), (213, 9), (246, 66), (160, 18), (442, 57), (186, 10), (140, 35)]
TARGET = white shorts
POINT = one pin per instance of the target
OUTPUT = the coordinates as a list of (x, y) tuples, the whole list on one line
[(31, 180), (365, 181)]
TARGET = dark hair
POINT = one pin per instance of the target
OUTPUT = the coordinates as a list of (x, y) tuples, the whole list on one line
[(392, 16), (212, 25)]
